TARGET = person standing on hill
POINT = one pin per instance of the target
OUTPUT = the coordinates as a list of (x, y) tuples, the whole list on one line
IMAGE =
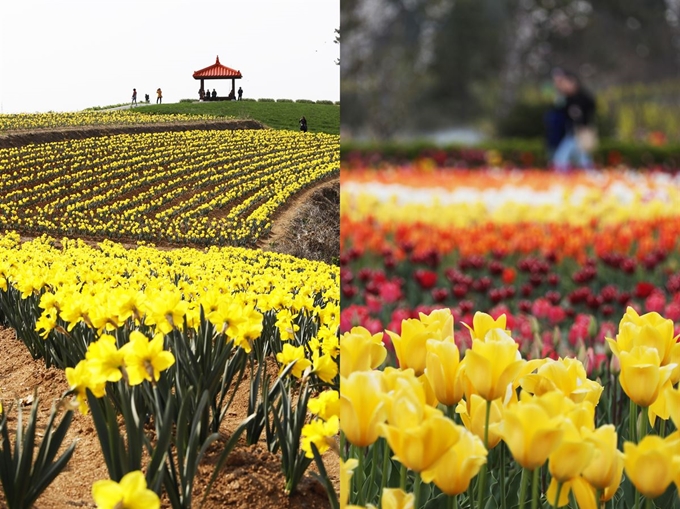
[(240, 93), (303, 124), (580, 136), (134, 97), (159, 96)]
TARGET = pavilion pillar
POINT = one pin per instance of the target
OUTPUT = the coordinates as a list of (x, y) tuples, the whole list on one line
[(233, 87)]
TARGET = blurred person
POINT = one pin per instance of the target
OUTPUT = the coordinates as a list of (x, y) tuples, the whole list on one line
[(134, 97), (303, 124), (240, 93), (159, 96), (580, 135), (214, 95)]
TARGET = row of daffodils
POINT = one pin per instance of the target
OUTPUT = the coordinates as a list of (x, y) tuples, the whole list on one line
[(196, 187), (434, 426), (160, 341), (23, 121)]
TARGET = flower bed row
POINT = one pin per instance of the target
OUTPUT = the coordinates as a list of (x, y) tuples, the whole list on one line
[(200, 187), (23, 121)]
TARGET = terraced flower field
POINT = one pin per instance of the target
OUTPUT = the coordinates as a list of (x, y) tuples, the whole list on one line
[(14, 122), (192, 187)]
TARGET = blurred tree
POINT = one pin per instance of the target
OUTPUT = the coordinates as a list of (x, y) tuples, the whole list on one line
[(421, 64)]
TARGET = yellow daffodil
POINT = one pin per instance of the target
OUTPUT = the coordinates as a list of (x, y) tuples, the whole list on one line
[(320, 433), (295, 354), (145, 359), (130, 493)]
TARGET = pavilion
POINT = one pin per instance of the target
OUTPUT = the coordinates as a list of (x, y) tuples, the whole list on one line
[(218, 71)]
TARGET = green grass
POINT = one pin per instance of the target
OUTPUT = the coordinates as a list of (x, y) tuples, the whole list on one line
[(277, 115)]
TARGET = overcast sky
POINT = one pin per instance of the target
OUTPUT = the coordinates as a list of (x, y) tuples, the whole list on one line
[(68, 55)]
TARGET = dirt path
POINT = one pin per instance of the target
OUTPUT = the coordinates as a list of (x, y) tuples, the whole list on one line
[(19, 138), (285, 218)]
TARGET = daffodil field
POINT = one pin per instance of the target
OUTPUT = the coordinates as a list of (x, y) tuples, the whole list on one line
[(191, 187), (16, 122), (557, 387), (157, 343)]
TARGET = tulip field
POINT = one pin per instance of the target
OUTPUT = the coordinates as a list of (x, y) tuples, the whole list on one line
[(192, 187), (157, 344), (557, 386)]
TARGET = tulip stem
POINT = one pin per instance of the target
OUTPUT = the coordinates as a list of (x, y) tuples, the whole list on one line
[(632, 421), (451, 412), (417, 483), (452, 502), (385, 465), (523, 488), (598, 498), (360, 475), (482, 474), (557, 496), (374, 460), (502, 476), (534, 489), (637, 499), (402, 477), (648, 503), (662, 429), (644, 424)]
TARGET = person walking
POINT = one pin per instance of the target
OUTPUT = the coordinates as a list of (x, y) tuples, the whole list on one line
[(134, 97), (240, 93), (159, 96), (580, 136)]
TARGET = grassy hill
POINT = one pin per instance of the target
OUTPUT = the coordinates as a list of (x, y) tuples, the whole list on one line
[(277, 115)]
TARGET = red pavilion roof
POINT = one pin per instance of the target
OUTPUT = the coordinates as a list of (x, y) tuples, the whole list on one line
[(217, 70)]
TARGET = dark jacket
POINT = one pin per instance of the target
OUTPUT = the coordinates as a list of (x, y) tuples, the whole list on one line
[(579, 110)]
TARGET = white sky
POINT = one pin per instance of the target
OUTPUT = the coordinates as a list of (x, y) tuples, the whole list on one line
[(68, 55)]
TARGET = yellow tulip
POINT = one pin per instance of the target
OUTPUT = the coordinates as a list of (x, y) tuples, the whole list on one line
[(394, 498), (493, 364), (360, 351), (483, 323), (346, 471), (605, 468), (650, 465), (363, 407), (419, 435), (442, 361), (565, 375), (571, 456), (583, 492), (649, 330), (641, 376), (453, 472), (473, 414), (530, 432), (440, 321), (410, 345)]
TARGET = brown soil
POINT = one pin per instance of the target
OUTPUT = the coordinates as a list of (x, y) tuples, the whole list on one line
[(20, 138), (252, 477), (309, 225)]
